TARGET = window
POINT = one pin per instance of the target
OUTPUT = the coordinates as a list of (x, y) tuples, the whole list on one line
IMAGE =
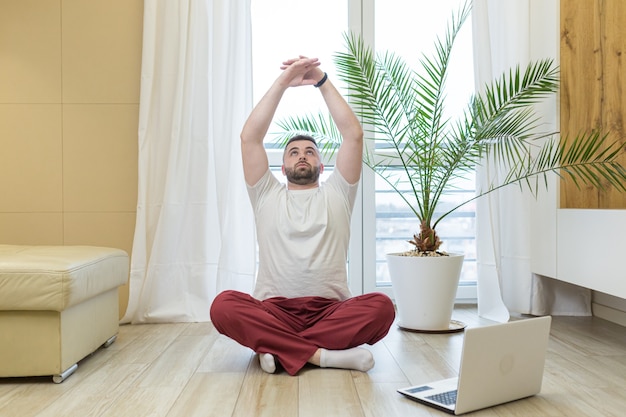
[(285, 28), (395, 224)]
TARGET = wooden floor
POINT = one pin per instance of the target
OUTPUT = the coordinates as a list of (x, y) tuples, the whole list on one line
[(189, 370)]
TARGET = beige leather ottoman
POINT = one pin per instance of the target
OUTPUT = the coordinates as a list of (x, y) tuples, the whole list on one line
[(58, 304)]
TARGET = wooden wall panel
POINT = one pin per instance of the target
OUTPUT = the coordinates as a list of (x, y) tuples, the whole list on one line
[(614, 77), (592, 84)]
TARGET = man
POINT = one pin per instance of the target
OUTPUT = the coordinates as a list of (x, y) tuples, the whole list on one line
[(302, 311)]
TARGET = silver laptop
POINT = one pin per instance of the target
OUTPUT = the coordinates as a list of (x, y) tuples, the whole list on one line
[(500, 363)]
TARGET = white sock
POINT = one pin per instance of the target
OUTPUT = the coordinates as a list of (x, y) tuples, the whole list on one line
[(267, 362), (356, 358)]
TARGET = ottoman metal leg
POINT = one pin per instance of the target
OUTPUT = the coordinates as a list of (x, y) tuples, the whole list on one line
[(110, 341), (57, 379)]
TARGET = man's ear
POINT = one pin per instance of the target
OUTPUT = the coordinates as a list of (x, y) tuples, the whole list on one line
[(282, 168), (321, 168)]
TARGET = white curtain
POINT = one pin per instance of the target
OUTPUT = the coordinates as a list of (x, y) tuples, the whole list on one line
[(508, 33), (194, 232)]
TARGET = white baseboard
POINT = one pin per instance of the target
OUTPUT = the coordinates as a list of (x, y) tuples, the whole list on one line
[(609, 313)]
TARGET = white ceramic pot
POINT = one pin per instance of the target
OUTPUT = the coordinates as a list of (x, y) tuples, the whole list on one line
[(425, 289)]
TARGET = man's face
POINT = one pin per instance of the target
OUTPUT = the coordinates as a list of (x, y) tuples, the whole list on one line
[(302, 163)]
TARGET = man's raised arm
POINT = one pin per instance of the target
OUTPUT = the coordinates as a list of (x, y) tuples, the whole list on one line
[(255, 162), (350, 154)]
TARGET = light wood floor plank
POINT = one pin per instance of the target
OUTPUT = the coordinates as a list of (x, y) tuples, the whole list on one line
[(381, 399), (98, 391), (148, 341), (209, 395), (386, 369), (26, 397), (424, 364), (267, 395), (188, 369), (145, 401), (328, 393), (177, 364), (226, 355)]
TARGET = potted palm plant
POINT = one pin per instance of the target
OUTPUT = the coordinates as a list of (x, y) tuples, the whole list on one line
[(402, 111)]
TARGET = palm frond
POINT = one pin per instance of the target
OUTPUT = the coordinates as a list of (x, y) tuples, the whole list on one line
[(321, 127)]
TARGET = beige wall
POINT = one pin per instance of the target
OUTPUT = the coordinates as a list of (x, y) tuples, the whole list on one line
[(69, 104)]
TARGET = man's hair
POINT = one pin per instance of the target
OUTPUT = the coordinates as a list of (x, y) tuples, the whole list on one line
[(301, 137)]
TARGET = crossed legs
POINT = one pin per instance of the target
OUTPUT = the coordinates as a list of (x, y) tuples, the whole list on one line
[(295, 331)]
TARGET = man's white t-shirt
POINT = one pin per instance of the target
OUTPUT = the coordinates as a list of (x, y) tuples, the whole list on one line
[(303, 237)]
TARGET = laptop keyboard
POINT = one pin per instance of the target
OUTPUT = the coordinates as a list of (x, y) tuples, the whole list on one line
[(447, 398)]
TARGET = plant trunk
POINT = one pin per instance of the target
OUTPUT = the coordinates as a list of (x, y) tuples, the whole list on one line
[(427, 240)]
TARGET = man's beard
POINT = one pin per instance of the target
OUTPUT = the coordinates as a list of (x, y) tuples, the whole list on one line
[(303, 176)]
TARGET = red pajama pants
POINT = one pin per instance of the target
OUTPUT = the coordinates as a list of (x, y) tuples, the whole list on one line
[(292, 329)]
